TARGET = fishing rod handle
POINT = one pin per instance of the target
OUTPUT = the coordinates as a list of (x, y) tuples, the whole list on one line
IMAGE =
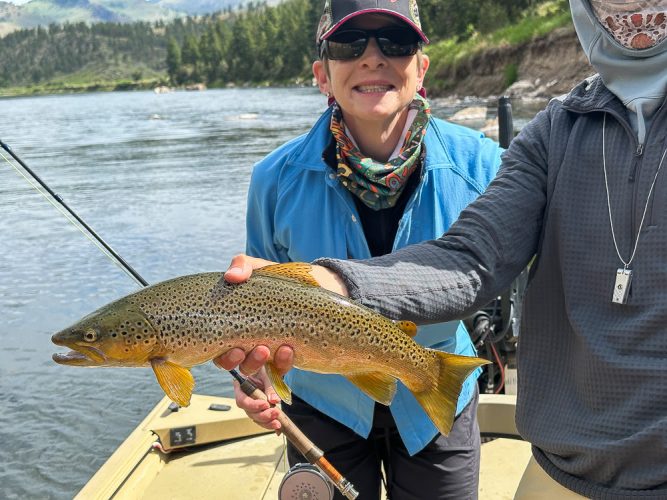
[(307, 448), (287, 427)]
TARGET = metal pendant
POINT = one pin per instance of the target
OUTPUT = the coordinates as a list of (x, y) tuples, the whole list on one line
[(622, 285)]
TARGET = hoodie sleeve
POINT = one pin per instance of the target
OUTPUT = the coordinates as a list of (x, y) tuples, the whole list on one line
[(484, 250)]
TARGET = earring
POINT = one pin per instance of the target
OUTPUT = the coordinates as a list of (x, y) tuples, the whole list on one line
[(328, 94)]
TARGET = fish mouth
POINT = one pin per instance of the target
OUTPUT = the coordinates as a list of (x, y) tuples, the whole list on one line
[(72, 358), (80, 355), (91, 357)]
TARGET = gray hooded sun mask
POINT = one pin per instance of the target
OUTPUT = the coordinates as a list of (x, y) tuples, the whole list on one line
[(638, 77)]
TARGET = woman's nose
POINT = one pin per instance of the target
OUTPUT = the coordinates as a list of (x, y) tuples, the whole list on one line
[(372, 56)]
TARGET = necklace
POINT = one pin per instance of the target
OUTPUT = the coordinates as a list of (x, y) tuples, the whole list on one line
[(624, 274)]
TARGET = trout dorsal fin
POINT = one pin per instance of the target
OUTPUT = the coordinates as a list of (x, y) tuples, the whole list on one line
[(299, 271), (177, 382), (407, 327)]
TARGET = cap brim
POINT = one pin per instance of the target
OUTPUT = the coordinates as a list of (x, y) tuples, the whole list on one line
[(392, 13)]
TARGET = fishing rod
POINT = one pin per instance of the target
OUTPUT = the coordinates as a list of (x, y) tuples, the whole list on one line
[(307, 448), (70, 214)]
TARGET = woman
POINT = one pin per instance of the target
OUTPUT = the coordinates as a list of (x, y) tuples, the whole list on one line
[(374, 174), (583, 190)]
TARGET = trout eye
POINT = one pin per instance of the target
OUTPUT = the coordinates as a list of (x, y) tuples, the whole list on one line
[(90, 336)]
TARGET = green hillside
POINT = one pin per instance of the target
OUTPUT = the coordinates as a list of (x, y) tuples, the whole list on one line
[(261, 46)]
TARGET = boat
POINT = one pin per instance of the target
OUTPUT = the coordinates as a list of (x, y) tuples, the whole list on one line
[(211, 449)]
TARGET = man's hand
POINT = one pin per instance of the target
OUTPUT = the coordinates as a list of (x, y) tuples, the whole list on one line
[(242, 267)]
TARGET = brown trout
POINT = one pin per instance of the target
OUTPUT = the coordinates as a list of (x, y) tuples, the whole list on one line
[(176, 324)]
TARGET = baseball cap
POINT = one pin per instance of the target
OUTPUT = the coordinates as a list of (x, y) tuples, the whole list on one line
[(338, 12)]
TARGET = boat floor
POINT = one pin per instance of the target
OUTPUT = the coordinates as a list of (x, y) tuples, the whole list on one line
[(239, 460)]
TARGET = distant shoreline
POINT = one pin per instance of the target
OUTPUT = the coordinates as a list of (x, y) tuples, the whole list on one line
[(537, 72)]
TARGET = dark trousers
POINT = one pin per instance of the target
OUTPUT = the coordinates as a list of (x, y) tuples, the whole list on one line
[(447, 468)]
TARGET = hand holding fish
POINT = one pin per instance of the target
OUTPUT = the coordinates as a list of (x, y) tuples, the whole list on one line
[(242, 266), (239, 271), (263, 412)]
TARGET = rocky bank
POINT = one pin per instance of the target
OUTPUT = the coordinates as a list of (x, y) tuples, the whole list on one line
[(544, 67)]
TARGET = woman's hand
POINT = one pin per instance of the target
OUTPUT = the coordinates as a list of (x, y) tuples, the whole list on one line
[(263, 412), (240, 270)]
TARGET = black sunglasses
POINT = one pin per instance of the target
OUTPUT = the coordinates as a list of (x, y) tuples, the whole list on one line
[(350, 44)]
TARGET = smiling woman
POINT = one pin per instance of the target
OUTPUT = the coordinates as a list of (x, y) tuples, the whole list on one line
[(381, 173), (373, 77)]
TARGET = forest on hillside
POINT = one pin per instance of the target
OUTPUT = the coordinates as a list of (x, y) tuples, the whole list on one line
[(277, 44), (261, 44), (39, 55)]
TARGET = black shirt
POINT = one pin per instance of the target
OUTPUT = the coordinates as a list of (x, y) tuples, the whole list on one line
[(379, 226)]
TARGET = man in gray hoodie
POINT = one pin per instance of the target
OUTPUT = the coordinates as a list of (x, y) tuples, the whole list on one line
[(583, 191)]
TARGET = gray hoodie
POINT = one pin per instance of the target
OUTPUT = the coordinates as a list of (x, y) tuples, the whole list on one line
[(592, 397)]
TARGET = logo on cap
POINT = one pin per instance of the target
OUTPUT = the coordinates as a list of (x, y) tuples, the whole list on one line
[(325, 21), (414, 13)]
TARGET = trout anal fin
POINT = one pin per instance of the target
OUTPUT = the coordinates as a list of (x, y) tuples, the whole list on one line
[(299, 271), (377, 385), (177, 382), (281, 388)]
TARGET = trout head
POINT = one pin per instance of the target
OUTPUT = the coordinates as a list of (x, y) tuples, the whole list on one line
[(118, 334)]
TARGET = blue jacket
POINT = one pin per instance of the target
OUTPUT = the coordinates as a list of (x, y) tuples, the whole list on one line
[(298, 211)]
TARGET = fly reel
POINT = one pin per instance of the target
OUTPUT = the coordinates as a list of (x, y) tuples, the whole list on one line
[(305, 482)]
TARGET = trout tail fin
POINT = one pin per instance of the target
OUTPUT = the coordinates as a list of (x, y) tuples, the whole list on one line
[(439, 401)]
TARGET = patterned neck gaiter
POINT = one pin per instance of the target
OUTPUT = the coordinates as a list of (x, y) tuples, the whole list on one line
[(635, 24), (378, 184)]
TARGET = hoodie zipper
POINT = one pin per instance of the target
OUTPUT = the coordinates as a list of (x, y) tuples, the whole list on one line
[(635, 162), (634, 168)]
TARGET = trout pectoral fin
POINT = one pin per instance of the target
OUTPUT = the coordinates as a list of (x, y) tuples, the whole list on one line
[(407, 327), (177, 382), (299, 271), (379, 386), (281, 388)]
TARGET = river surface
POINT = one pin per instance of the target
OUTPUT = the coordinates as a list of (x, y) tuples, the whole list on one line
[(162, 178)]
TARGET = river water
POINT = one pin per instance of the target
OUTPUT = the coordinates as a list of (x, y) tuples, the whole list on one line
[(162, 178)]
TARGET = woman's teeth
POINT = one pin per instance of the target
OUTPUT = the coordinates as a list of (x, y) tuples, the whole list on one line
[(367, 89)]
